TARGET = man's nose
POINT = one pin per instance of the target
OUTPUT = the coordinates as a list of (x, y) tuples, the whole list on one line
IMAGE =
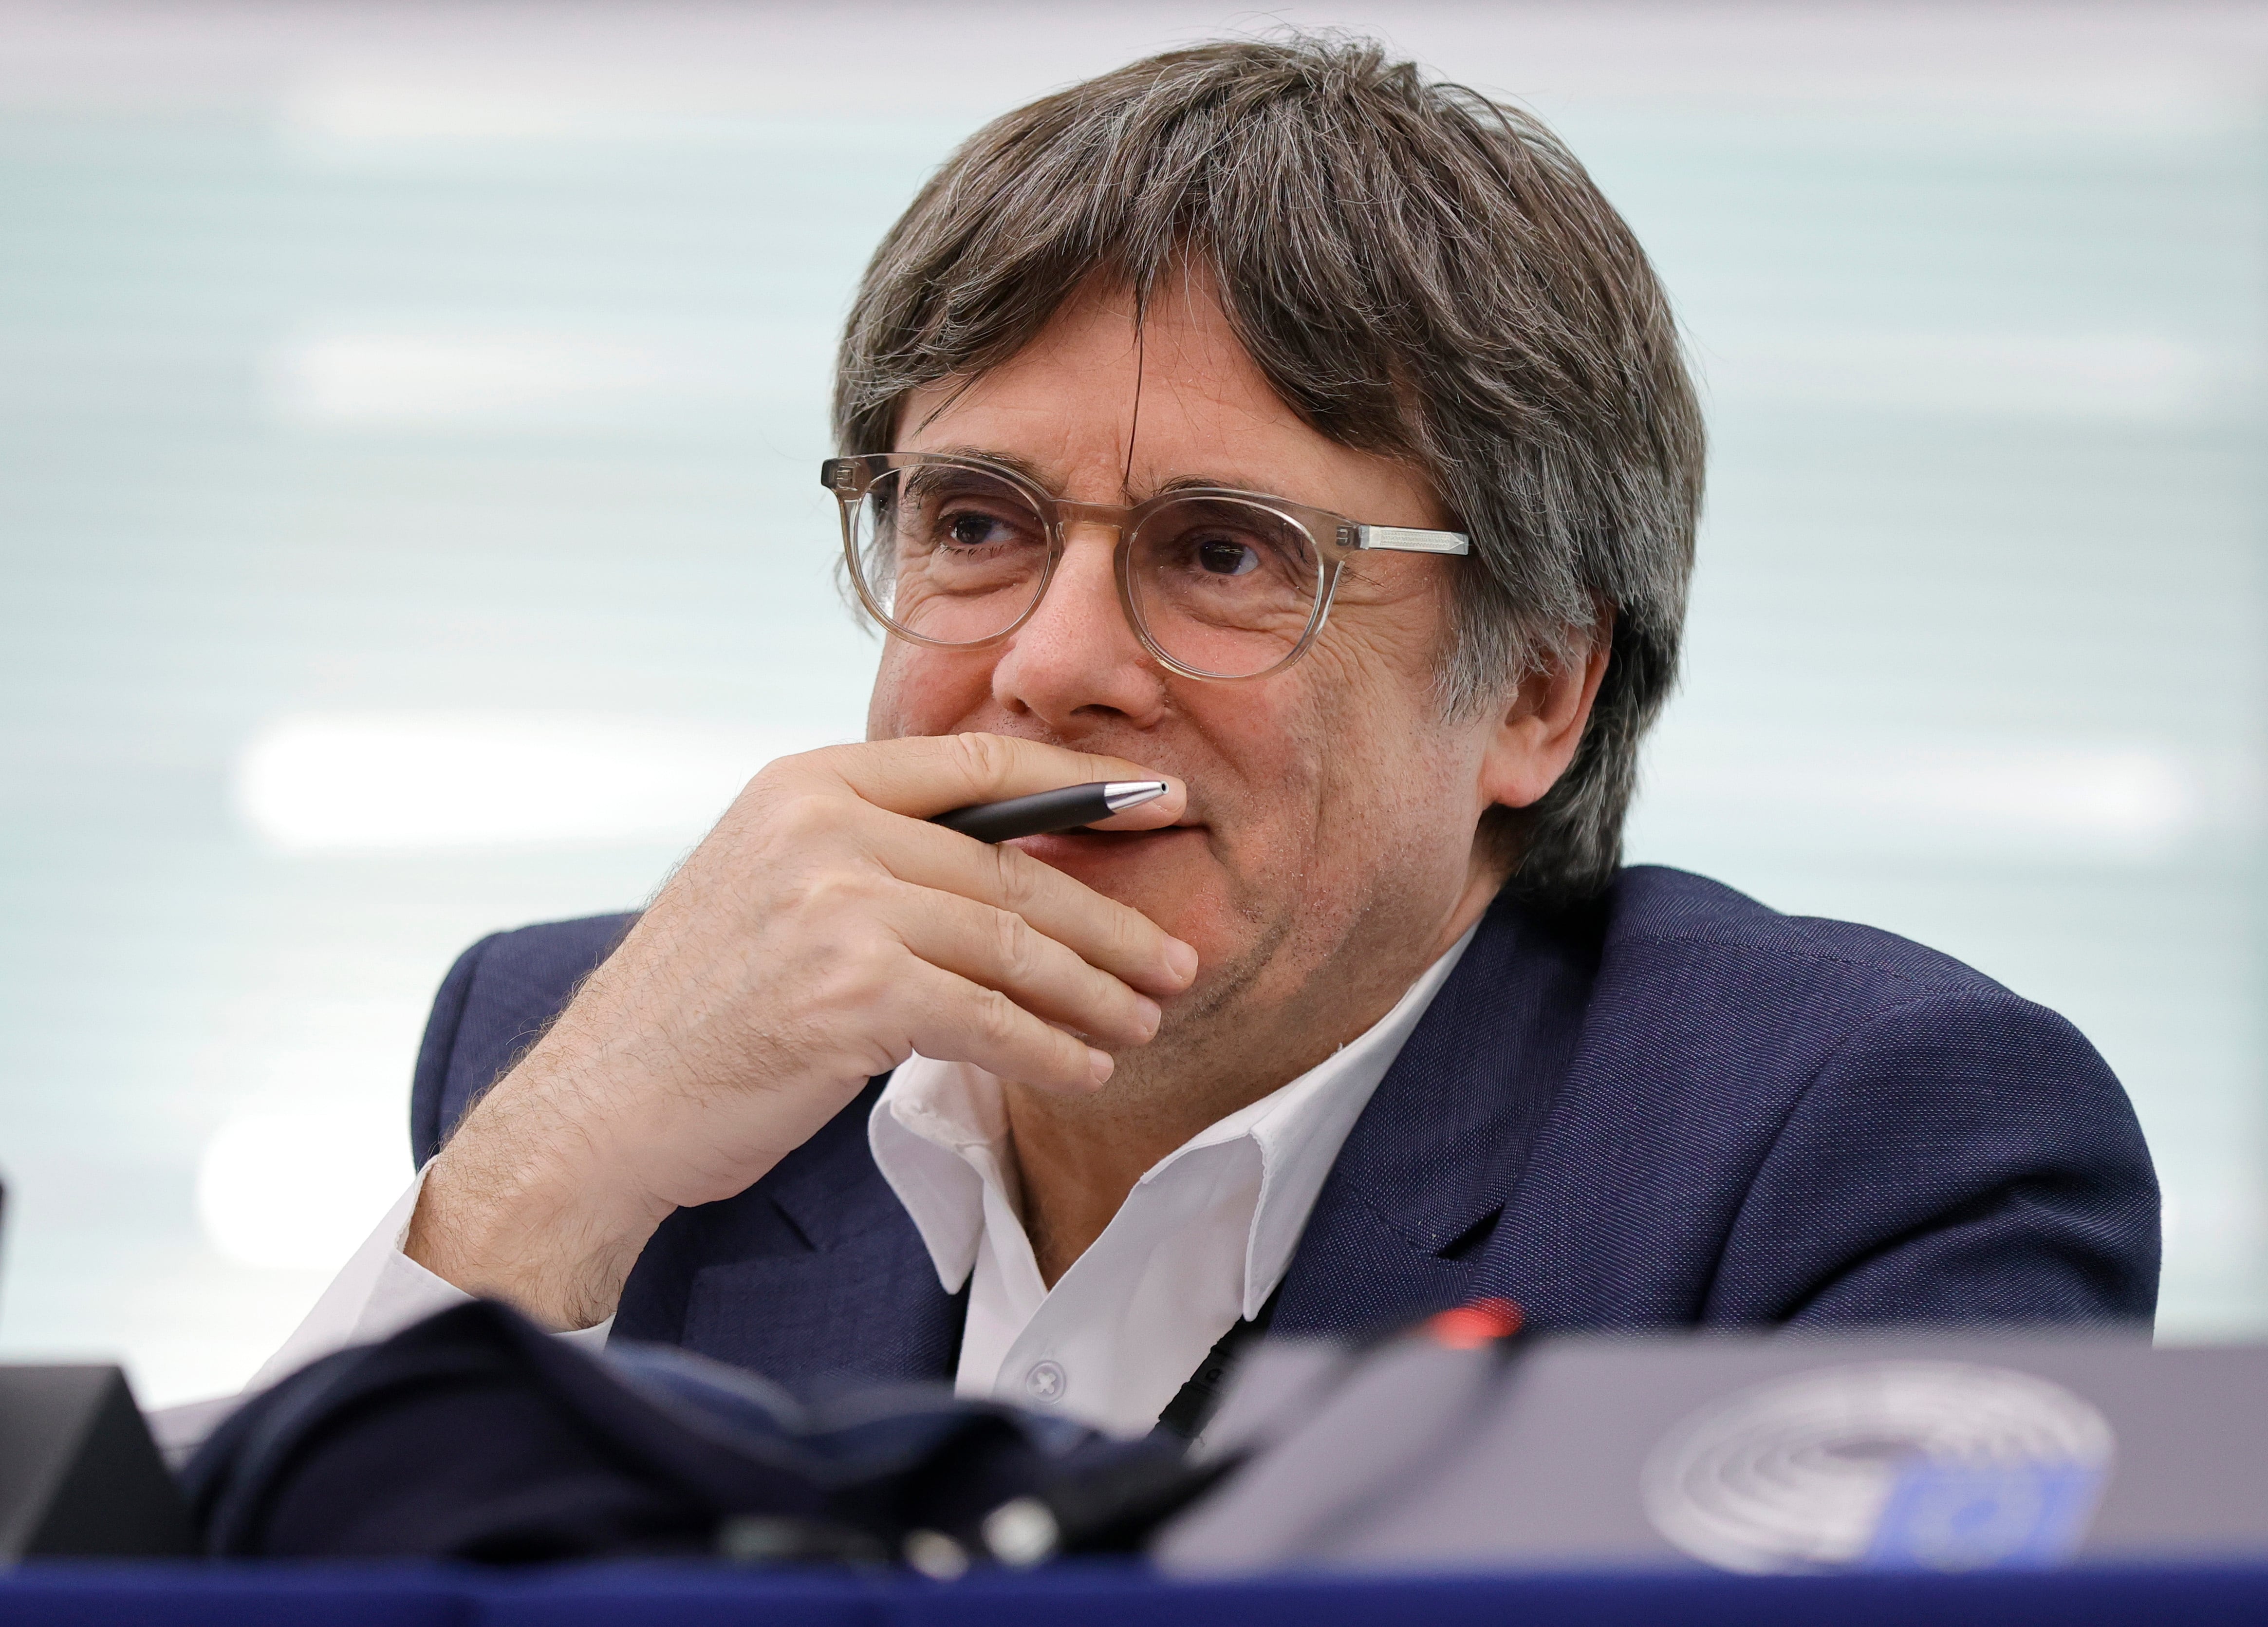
[(1076, 662)]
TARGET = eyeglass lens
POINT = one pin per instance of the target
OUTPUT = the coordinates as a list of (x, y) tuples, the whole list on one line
[(957, 554)]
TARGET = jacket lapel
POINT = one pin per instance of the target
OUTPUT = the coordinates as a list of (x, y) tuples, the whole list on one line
[(829, 1278), (1402, 1223)]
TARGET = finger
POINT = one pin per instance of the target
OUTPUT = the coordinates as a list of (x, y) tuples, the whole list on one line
[(1001, 950), (1116, 938), (924, 776), (963, 1021)]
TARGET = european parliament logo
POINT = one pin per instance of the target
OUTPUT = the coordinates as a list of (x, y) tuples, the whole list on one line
[(1888, 1465)]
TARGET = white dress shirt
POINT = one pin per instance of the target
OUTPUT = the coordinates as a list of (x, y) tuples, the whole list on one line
[(1200, 1242)]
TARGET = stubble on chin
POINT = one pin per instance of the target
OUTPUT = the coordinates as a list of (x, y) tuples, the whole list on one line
[(1204, 1049)]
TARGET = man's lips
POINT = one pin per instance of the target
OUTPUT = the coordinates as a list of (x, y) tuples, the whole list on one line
[(1094, 843)]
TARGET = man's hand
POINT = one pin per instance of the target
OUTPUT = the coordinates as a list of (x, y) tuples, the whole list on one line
[(822, 933)]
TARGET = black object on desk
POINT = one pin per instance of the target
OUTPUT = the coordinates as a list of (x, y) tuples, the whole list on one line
[(79, 1476), (79, 1473)]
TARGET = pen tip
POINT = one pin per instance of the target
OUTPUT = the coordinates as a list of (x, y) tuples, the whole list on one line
[(1120, 795)]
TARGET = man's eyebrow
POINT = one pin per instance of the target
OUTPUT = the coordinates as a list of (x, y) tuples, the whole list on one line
[(1025, 467), (1214, 483), (1031, 471)]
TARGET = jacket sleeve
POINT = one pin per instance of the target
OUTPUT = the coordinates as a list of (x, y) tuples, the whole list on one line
[(496, 1002), (1961, 1160)]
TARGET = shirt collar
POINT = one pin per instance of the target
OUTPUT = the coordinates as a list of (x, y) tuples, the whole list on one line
[(939, 1135)]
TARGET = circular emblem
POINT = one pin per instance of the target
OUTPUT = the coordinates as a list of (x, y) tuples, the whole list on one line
[(1046, 1382), (1941, 1465)]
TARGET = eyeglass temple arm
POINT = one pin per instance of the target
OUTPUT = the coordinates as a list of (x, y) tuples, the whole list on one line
[(1404, 539)]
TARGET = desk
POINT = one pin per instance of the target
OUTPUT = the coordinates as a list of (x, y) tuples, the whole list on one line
[(156, 1595)]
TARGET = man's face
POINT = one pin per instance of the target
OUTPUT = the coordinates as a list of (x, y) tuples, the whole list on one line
[(1328, 840)]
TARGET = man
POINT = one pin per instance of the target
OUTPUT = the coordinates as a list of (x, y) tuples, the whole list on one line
[(1264, 418)]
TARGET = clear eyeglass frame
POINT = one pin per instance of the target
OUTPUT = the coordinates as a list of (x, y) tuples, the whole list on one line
[(1336, 539)]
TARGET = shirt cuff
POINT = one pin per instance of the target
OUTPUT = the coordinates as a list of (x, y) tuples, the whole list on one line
[(378, 1294)]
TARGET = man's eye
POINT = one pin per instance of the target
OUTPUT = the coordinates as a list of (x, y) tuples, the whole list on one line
[(1218, 557), (968, 529)]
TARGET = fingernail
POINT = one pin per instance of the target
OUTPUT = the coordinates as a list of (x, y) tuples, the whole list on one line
[(1181, 960), (1100, 1065), (1152, 1016)]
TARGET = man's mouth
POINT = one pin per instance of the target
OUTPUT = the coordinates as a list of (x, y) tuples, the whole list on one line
[(1066, 844)]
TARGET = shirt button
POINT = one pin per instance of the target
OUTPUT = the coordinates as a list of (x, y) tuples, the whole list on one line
[(1045, 1381)]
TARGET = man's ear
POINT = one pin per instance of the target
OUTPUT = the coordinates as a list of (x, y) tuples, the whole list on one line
[(1541, 726)]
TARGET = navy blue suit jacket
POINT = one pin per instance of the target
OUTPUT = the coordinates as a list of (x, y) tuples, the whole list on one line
[(1673, 1107)]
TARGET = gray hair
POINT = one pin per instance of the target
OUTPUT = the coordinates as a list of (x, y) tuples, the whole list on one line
[(1419, 272)]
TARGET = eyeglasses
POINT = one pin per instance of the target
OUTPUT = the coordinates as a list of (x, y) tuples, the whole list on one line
[(957, 552)]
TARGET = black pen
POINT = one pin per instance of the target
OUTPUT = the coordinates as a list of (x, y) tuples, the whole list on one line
[(1064, 809)]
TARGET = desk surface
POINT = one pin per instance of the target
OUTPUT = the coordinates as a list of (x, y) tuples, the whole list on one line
[(1100, 1596)]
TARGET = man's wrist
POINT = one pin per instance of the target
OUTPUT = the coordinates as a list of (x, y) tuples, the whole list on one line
[(519, 1218)]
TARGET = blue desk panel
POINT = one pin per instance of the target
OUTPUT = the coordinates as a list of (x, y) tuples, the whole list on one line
[(673, 1596)]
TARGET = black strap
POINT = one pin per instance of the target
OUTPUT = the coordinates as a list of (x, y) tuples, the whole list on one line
[(1192, 1407), (959, 1314)]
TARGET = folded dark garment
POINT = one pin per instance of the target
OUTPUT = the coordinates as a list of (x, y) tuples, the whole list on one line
[(475, 1435)]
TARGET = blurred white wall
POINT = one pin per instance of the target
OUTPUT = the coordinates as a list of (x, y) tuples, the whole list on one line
[(408, 422)]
